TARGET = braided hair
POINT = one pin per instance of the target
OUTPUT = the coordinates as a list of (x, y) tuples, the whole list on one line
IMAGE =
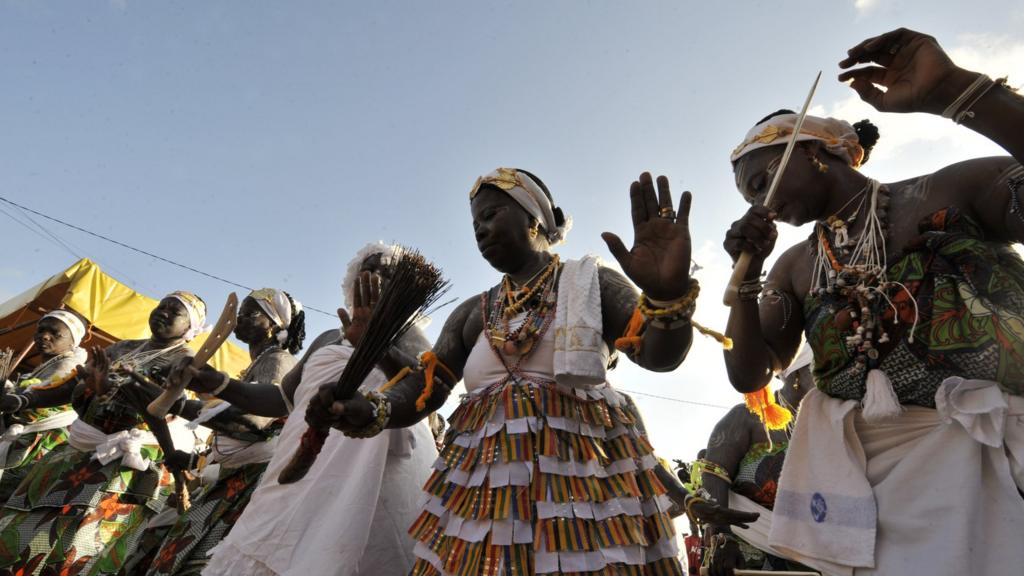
[(296, 329)]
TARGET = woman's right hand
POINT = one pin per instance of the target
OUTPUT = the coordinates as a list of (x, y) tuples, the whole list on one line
[(364, 299), (325, 411), (95, 371), (754, 233), (201, 380)]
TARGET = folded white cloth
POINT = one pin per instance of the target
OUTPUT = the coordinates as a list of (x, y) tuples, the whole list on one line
[(15, 431), (581, 356), (929, 492), (126, 444), (232, 453)]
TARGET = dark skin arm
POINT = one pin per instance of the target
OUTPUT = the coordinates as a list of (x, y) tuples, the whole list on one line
[(729, 442), (766, 334), (920, 77), (255, 398)]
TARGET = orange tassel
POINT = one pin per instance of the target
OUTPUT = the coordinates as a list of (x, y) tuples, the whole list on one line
[(762, 404), (430, 362), (631, 340)]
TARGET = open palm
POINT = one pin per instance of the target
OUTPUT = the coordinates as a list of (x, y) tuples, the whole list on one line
[(659, 261)]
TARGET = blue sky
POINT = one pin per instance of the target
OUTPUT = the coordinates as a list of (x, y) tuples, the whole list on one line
[(265, 142)]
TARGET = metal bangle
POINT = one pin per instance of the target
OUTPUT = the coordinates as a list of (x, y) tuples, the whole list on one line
[(223, 384)]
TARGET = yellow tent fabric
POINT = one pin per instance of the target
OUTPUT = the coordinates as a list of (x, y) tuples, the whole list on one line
[(109, 306)]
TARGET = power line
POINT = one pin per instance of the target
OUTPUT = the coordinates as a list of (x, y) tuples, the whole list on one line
[(141, 251), (681, 401)]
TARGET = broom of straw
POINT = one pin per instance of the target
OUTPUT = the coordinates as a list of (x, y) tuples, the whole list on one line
[(414, 285)]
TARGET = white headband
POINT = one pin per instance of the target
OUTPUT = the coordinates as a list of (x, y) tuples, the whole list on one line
[(278, 307), (528, 194), (838, 136), (196, 313), (73, 322)]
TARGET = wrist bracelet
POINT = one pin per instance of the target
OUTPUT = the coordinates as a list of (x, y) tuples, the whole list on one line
[(223, 384), (382, 414)]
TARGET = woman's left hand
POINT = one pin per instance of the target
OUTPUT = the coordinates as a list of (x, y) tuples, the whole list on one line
[(659, 261), (915, 71), (710, 513)]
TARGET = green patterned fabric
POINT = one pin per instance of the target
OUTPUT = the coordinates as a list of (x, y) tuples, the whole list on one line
[(970, 299), (73, 515)]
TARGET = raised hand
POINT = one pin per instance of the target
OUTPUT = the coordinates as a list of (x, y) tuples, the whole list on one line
[(659, 261), (916, 73), (367, 293), (95, 371)]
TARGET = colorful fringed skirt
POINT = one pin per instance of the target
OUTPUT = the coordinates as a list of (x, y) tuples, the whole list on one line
[(535, 478)]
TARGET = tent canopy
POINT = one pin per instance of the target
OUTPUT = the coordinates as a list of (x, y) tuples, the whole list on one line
[(114, 312)]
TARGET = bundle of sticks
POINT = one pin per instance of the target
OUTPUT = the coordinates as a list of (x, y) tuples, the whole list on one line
[(414, 285), (6, 365)]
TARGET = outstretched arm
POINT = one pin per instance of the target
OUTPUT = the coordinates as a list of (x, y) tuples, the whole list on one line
[(918, 76), (659, 264)]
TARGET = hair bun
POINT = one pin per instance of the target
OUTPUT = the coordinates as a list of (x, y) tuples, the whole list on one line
[(867, 136), (559, 216)]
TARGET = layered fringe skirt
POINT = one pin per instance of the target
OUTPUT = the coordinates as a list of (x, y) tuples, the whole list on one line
[(536, 478)]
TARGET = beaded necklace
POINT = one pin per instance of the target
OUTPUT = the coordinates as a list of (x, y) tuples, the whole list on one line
[(857, 274), (537, 297)]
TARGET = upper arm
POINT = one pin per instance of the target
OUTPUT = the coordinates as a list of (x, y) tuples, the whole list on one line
[(618, 301), (993, 196), (730, 440), (451, 347), (780, 309)]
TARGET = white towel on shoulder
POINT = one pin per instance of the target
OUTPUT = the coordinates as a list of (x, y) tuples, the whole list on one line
[(581, 356)]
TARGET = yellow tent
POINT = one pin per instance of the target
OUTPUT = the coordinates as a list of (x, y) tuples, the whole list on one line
[(114, 312)]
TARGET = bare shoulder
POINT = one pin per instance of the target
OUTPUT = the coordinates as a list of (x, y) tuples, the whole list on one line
[(964, 182), (791, 269)]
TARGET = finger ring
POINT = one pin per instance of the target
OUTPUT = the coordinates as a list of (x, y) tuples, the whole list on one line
[(667, 213), (894, 49)]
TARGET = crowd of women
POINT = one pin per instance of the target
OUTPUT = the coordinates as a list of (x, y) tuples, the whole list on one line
[(906, 454)]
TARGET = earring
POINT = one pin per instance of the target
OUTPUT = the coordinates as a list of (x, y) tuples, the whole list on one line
[(533, 232), (819, 165), (796, 382)]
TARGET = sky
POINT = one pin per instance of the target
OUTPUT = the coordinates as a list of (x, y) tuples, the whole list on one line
[(265, 142)]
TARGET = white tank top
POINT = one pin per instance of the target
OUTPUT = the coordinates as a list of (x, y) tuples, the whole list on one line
[(483, 367)]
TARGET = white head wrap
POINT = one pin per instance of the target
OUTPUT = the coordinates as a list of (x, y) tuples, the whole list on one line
[(196, 312), (72, 321), (803, 358), (278, 307), (528, 194), (838, 136)]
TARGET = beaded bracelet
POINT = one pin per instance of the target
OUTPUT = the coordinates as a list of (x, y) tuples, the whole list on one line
[(688, 506), (675, 309), (381, 415), (715, 470)]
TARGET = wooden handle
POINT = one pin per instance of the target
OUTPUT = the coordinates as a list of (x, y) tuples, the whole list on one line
[(162, 404), (739, 272)]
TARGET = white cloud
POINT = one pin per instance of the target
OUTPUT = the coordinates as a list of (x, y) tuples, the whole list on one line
[(865, 6)]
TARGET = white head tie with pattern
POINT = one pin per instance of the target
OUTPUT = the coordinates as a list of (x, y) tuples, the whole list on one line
[(838, 136), (278, 307), (196, 312), (528, 194)]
